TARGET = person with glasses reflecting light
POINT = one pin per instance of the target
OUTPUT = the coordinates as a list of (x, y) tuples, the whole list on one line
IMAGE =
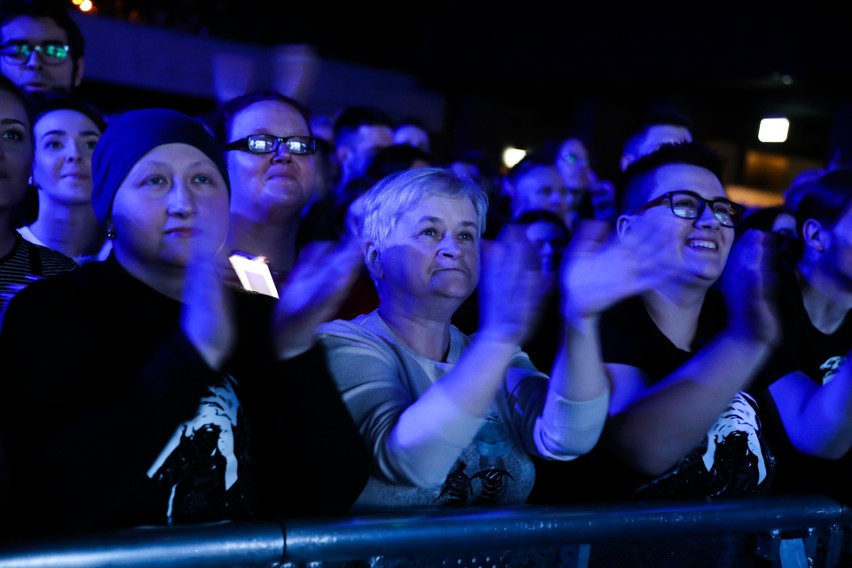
[(270, 151), (597, 196), (682, 356), (41, 46)]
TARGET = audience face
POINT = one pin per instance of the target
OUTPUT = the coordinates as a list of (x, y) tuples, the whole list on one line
[(785, 223), (434, 250), (173, 204), (655, 137), (16, 152), (838, 251), (62, 168), (543, 188), (549, 241), (35, 75), (573, 164), (664, 134), (266, 184), (703, 244), (413, 135), (466, 169), (322, 126), (356, 154)]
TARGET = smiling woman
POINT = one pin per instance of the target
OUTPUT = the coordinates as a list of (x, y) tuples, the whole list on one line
[(66, 131), (20, 261)]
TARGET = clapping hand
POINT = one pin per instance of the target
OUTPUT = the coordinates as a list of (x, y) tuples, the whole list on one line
[(511, 287), (600, 268), (748, 286), (317, 286), (207, 318)]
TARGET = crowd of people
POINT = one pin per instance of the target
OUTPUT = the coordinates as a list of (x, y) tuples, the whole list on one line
[(411, 333)]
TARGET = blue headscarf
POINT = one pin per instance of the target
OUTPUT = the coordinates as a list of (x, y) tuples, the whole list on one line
[(134, 134)]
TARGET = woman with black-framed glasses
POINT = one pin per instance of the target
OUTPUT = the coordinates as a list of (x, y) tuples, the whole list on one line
[(271, 156), (681, 356)]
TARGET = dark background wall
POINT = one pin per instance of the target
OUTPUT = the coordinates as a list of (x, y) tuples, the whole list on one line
[(521, 73)]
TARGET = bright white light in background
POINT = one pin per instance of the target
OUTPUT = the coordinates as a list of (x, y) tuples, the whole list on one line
[(512, 156), (773, 130), (86, 5)]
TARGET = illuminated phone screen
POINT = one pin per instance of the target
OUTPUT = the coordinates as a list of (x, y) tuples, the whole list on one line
[(254, 274)]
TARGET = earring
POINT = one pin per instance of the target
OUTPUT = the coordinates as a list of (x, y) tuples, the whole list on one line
[(31, 182), (110, 234)]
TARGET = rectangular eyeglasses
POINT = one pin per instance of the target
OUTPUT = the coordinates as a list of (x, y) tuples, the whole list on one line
[(268, 143), (50, 52), (689, 205)]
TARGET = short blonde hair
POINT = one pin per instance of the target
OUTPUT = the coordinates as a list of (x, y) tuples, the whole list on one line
[(387, 201)]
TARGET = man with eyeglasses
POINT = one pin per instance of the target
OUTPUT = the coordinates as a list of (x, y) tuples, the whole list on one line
[(41, 47), (270, 153), (681, 356)]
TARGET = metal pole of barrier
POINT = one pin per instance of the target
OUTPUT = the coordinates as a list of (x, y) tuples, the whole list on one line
[(422, 534), (425, 533), (225, 545)]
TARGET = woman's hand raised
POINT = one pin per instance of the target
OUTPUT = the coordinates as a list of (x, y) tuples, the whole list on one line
[(511, 287), (318, 285)]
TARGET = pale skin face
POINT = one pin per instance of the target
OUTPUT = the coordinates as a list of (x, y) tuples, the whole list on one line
[(702, 245), (272, 186), (62, 168), (172, 205), (16, 154), (542, 188), (432, 254), (35, 75)]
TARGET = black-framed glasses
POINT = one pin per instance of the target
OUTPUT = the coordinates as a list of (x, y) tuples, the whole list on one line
[(267, 143), (50, 52), (689, 205)]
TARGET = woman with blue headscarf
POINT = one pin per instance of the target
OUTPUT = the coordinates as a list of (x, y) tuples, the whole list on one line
[(142, 390)]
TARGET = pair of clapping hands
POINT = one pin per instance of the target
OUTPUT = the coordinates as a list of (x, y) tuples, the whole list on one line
[(312, 294), (600, 268)]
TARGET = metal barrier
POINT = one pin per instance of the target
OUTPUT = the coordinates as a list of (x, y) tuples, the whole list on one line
[(791, 531)]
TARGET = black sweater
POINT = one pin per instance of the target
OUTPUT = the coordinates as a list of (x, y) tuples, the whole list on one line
[(99, 380)]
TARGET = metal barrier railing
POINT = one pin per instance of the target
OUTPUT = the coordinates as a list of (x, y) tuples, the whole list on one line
[(793, 531)]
